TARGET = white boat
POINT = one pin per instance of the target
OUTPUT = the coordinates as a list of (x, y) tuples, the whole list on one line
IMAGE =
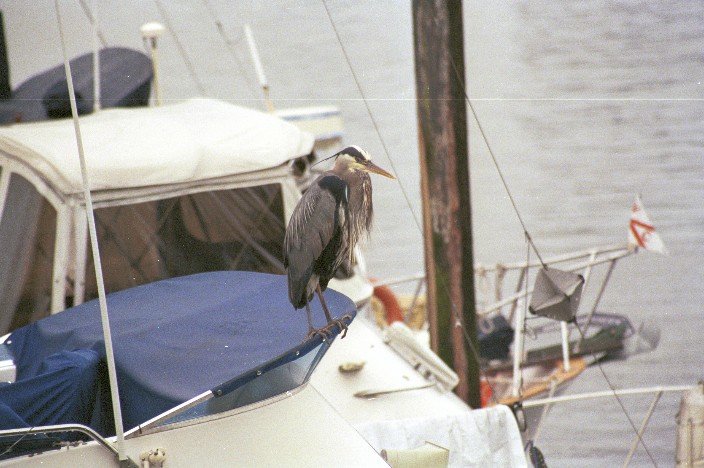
[(180, 191)]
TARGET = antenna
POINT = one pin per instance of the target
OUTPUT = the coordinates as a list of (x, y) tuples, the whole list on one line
[(258, 67), (150, 33)]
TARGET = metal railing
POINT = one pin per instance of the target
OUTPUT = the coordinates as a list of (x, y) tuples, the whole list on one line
[(546, 403), (51, 429)]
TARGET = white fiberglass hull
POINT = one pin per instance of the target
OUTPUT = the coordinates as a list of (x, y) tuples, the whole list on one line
[(299, 429)]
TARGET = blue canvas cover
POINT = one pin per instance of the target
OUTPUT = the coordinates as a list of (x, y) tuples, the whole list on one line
[(63, 390), (175, 339)]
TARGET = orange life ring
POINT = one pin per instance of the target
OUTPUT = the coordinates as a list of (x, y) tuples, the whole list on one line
[(485, 393), (392, 309)]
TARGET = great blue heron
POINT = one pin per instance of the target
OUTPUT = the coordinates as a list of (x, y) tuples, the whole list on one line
[(333, 214)]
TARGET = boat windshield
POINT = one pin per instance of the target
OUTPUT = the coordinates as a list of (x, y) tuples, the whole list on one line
[(27, 238), (280, 376), (237, 229)]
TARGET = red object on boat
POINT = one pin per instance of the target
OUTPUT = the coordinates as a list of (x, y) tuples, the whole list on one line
[(391, 306)]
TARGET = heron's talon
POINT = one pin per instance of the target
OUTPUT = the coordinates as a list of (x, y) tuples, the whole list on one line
[(327, 331), (323, 332), (343, 325)]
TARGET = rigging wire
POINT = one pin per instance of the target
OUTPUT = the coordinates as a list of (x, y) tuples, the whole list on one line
[(189, 65), (515, 207), (616, 396), (89, 14), (230, 45), (371, 114), (460, 80)]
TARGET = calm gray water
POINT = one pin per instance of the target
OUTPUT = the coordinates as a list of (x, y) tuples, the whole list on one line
[(584, 103)]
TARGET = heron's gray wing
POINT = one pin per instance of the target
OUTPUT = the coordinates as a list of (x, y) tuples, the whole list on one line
[(313, 224)]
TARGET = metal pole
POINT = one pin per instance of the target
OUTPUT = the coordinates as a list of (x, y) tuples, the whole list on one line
[(518, 351), (612, 265), (107, 335), (605, 394), (155, 64), (565, 333), (150, 34), (642, 429)]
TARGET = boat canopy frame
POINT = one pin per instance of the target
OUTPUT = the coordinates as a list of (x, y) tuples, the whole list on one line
[(69, 251)]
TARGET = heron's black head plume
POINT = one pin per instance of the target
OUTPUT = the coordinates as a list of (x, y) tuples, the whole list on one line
[(353, 151)]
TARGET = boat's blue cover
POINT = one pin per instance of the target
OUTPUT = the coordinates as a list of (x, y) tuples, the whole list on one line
[(174, 339), (63, 390)]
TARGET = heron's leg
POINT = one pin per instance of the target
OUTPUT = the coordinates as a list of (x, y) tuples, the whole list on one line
[(322, 302), (311, 330), (339, 322)]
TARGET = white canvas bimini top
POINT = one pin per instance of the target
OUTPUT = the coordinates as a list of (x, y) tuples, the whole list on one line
[(139, 147)]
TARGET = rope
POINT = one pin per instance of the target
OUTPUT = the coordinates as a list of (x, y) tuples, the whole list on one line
[(89, 15), (616, 396), (14, 444), (529, 239), (371, 116), (496, 163)]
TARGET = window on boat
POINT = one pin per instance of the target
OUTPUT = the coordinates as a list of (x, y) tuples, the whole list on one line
[(27, 238), (280, 375), (236, 229)]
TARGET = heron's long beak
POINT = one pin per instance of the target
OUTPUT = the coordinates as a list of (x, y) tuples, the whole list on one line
[(371, 167)]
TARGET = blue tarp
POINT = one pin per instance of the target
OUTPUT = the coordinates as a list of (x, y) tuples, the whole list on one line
[(173, 339), (63, 390)]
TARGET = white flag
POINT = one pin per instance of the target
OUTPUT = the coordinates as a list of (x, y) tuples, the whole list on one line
[(641, 232)]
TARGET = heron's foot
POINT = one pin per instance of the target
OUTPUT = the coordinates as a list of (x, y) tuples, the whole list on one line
[(323, 332), (328, 331), (341, 323)]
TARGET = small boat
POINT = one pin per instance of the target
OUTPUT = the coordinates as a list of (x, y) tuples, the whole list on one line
[(555, 354)]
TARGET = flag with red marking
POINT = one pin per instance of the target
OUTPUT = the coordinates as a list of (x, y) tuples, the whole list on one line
[(641, 232)]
